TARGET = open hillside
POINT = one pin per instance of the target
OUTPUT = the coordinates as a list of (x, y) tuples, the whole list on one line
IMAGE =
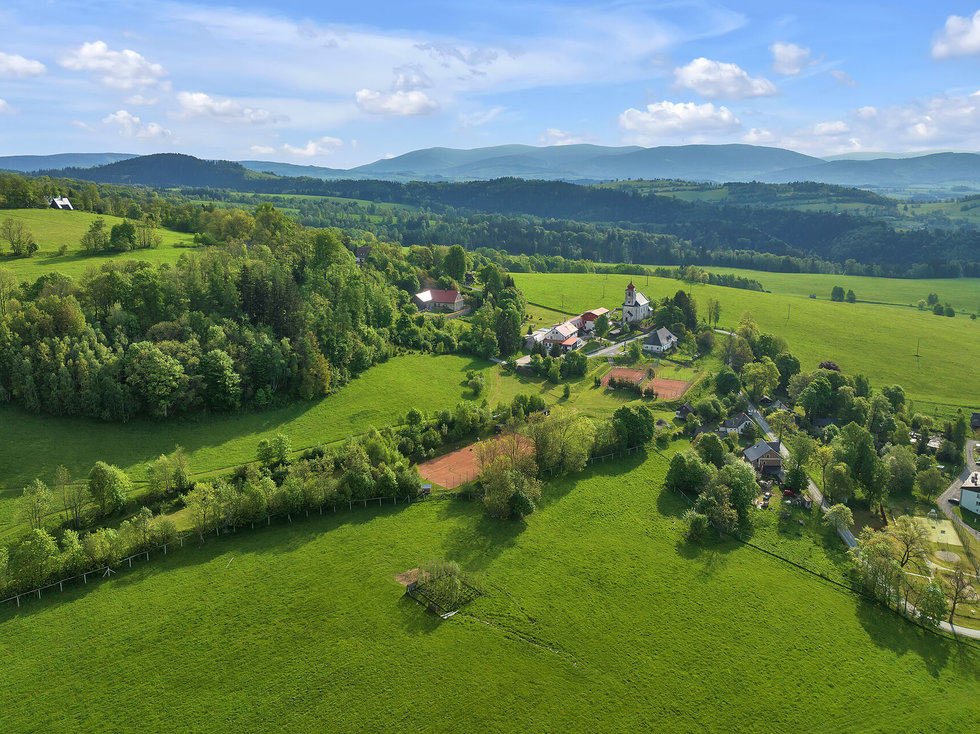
[(941, 377), (597, 615), (53, 228)]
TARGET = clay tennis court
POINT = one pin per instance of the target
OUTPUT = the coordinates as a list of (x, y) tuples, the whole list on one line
[(458, 467), (668, 389), (624, 373)]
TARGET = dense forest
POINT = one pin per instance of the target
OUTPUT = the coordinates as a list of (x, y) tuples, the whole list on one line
[(268, 313), (582, 222)]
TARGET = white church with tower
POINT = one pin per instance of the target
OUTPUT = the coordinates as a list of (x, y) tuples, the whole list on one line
[(636, 306)]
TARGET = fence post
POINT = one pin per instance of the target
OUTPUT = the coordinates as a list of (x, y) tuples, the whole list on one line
[(61, 586), (164, 549), (130, 561), (85, 577)]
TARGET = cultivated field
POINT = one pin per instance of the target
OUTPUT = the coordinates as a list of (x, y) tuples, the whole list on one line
[(53, 228), (597, 616), (877, 340)]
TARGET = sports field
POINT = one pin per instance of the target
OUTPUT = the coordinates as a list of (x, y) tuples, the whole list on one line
[(597, 616), (933, 357)]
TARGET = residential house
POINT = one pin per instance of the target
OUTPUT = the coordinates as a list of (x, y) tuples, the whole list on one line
[(684, 411), (659, 341), (565, 334), (735, 424), (975, 421), (61, 202), (536, 337), (361, 255), (636, 306), (970, 493), (436, 300), (764, 457)]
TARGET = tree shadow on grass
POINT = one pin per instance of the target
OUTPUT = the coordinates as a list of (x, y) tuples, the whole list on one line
[(475, 545), (889, 631), (416, 619)]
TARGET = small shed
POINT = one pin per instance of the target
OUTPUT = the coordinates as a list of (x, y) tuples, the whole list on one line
[(426, 490)]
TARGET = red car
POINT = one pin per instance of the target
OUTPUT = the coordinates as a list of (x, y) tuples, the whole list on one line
[(788, 493)]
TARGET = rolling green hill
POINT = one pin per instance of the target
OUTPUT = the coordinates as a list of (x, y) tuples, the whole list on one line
[(879, 341)]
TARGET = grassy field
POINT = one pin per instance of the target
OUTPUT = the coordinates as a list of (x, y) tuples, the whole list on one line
[(597, 616), (962, 293), (34, 445), (877, 340), (53, 228)]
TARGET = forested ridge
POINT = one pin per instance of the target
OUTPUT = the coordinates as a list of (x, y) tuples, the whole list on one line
[(597, 223)]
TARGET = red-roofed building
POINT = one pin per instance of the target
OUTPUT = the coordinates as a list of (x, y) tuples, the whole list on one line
[(436, 300), (589, 318)]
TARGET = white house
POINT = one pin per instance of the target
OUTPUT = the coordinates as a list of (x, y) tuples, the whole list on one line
[(735, 424), (970, 493), (436, 300), (566, 334), (636, 306), (61, 202), (659, 341)]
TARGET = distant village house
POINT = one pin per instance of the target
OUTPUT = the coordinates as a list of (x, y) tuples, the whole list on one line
[(764, 457), (659, 341), (361, 255), (436, 300), (61, 202)]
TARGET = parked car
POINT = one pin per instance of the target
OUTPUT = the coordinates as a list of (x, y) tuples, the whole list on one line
[(953, 501), (788, 493)]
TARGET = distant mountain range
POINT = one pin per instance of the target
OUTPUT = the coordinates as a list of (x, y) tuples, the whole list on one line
[(574, 163)]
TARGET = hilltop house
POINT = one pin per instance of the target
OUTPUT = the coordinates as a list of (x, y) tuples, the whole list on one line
[(636, 306), (61, 202), (436, 300), (764, 457), (735, 424), (659, 341), (361, 255)]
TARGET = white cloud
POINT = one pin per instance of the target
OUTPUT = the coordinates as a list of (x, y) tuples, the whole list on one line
[(5, 108), (960, 37), (140, 99), (262, 149), (831, 127), (320, 146), (398, 103), (124, 69), (758, 136), (17, 67), (554, 136), (843, 78), (715, 79), (669, 118), (410, 77), (198, 104), (476, 119), (133, 127), (789, 58)]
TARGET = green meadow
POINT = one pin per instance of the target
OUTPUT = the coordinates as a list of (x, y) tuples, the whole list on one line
[(962, 293), (35, 444), (879, 341), (597, 616), (53, 228)]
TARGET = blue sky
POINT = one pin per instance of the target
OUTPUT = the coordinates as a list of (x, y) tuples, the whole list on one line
[(341, 84)]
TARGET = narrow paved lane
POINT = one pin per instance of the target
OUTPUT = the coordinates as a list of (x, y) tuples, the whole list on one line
[(953, 492)]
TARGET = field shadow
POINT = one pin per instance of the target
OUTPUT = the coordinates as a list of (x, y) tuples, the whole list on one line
[(890, 632), (416, 619)]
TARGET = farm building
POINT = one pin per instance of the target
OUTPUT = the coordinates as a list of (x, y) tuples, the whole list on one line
[(436, 300), (764, 456), (659, 341), (589, 318), (361, 255), (970, 493), (61, 202), (735, 424), (636, 306), (536, 337)]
